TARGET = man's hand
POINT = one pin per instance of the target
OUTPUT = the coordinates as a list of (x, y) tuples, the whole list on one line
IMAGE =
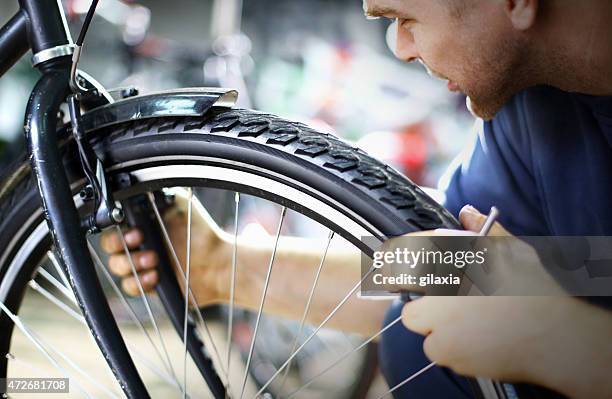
[(210, 254), (145, 262), (491, 337), (476, 335), (537, 339), (540, 340)]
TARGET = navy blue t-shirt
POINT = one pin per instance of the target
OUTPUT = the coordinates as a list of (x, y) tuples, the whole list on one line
[(545, 161)]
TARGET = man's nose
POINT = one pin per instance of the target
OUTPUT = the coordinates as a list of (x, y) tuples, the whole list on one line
[(405, 47)]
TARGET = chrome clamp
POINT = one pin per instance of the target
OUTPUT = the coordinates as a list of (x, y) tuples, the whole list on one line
[(51, 53)]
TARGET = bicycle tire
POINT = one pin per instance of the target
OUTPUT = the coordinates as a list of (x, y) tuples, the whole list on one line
[(370, 194)]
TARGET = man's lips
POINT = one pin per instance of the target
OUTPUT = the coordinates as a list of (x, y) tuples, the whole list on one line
[(452, 86)]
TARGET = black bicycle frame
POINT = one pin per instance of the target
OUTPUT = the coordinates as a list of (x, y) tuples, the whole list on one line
[(40, 25)]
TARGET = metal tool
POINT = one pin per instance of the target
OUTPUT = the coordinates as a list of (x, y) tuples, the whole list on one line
[(407, 296), (488, 224)]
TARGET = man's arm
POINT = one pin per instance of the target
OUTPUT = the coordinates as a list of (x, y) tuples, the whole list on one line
[(292, 276), (294, 270)]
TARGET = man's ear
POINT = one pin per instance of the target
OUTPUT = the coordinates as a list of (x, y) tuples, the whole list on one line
[(522, 13)]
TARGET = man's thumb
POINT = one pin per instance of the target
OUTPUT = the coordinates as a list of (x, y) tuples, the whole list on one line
[(471, 218)]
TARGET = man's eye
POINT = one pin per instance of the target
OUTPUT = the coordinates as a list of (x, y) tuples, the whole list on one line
[(405, 23)]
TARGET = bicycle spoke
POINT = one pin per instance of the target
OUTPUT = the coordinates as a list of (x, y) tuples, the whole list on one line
[(138, 355), (151, 366), (345, 356), (27, 332), (263, 299), (51, 255), (230, 321), (57, 302), (60, 287), (130, 310), (54, 300), (179, 270), (316, 330), (306, 309), (187, 270), (145, 301), (407, 380), (75, 366)]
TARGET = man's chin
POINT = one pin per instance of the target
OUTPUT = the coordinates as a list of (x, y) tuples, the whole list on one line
[(481, 110)]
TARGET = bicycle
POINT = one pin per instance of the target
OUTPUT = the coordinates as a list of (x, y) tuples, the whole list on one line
[(131, 150)]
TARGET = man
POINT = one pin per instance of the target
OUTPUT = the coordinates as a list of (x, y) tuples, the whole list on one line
[(538, 73), (533, 158)]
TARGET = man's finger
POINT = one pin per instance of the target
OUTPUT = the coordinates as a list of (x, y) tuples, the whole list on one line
[(112, 243), (415, 317), (425, 314), (148, 280), (433, 349), (473, 220), (143, 260)]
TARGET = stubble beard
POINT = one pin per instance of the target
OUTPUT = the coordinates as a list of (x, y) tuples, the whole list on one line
[(499, 76)]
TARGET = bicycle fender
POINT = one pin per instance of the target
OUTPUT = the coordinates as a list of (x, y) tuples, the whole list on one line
[(179, 102)]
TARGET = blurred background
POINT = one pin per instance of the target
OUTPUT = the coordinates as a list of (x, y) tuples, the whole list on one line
[(320, 62)]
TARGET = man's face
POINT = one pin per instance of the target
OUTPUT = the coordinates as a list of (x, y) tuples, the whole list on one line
[(470, 43)]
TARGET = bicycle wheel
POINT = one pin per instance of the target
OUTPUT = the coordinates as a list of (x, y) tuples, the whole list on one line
[(286, 163)]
